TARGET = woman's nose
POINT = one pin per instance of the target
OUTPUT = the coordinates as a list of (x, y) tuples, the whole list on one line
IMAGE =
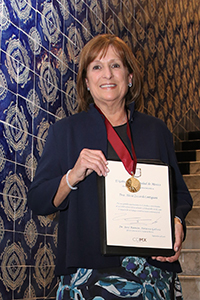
[(107, 72)]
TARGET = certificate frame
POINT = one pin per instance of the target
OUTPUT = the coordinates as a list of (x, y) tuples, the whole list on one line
[(136, 249)]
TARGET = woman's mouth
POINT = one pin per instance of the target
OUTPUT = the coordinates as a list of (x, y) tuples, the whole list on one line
[(111, 85)]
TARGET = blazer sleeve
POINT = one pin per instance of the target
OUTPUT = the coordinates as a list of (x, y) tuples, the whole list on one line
[(47, 178)]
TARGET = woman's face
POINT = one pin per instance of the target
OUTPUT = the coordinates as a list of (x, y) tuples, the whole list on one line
[(107, 78)]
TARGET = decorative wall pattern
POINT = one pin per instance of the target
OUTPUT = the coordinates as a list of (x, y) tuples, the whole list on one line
[(40, 43)]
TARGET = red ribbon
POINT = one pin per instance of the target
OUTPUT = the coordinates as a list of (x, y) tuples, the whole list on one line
[(119, 147)]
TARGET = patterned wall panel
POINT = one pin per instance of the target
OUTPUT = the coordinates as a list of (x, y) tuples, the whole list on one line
[(40, 43)]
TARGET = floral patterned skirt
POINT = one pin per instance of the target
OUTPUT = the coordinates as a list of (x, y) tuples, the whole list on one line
[(135, 279)]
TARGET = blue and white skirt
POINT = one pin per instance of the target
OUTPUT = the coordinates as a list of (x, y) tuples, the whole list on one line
[(135, 279)]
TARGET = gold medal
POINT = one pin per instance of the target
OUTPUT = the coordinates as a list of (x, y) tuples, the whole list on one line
[(133, 184)]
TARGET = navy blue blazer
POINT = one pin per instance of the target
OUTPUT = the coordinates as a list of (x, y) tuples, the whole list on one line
[(79, 226)]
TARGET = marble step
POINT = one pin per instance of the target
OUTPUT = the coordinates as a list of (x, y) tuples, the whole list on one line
[(192, 167), (192, 240), (192, 181), (190, 262), (192, 219), (189, 163), (190, 287), (188, 155), (195, 194), (191, 145), (192, 135)]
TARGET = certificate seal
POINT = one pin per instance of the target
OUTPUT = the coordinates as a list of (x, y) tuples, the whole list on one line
[(133, 184)]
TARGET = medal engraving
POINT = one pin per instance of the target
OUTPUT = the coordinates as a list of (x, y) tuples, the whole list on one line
[(133, 185)]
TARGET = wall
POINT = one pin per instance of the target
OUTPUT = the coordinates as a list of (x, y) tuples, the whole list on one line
[(40, 42)]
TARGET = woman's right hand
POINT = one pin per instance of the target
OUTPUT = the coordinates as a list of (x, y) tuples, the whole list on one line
[(87, 162)]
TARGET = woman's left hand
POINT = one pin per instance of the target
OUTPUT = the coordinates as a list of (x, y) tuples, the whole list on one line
[(179, 235)]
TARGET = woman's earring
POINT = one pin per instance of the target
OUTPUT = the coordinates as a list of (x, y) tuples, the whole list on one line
[(88, 88), (130, 84)]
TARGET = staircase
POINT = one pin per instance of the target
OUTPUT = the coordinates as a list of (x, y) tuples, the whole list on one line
[(189, 163)]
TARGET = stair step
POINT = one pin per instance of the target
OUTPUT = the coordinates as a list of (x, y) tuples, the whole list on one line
[(190, 262), (190, 287), (195, 194), (188, 155), (189, 164), (191, 145), (192, 135), (192, 181), (192, 167), (195, 167), (192, 219), (192, 240)]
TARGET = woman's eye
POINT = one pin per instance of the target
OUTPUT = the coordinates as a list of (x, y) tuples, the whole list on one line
[(96, 67), (115, 65)]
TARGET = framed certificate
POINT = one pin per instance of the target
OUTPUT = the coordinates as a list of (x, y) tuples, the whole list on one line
[(141, 222)]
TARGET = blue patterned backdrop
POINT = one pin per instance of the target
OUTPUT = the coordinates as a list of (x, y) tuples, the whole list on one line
[(40, 43)]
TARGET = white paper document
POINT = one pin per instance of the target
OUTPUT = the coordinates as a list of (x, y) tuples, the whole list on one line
[(143, 218)]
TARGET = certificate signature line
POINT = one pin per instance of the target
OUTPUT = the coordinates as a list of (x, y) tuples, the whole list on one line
[(135, 220)]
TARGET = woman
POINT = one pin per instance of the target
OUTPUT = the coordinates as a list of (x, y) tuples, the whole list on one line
[(76, 154)]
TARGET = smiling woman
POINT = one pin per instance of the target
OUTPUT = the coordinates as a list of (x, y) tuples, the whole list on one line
[(107, 80), (108, 51), (73, 166)]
